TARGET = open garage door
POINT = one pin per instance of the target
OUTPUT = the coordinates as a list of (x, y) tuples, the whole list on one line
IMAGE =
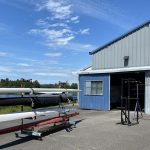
[(115, 89)]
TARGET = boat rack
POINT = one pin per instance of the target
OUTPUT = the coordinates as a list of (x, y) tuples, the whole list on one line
[(49, 124), (38, 128), (126, 97)]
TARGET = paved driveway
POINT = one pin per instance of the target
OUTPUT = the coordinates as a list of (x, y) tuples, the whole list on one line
[(96, 130)]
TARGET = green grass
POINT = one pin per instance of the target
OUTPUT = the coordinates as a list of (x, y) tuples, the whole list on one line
[(12, 109)]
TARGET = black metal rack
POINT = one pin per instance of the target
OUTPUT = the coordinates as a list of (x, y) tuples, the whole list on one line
[(127, 95)]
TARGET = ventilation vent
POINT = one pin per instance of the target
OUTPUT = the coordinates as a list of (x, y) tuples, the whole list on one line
[(126, 61)]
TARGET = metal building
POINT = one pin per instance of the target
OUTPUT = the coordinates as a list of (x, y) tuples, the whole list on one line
[(127, 56)]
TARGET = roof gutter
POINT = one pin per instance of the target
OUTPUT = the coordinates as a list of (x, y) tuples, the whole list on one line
[(129, 69)]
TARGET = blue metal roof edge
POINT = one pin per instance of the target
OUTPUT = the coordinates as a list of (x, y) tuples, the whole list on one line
[(120, 37)]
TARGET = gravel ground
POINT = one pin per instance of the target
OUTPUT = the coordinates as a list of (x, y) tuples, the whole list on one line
[(95, 130)]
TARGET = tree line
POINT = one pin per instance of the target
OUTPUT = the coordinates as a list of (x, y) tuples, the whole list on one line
[(29, 83)]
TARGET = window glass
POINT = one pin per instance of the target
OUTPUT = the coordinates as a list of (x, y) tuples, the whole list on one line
[(88, 91), (88, 83), (88, 87), (94, 88)]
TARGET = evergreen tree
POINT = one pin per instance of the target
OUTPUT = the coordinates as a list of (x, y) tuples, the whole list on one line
[(7, 83)]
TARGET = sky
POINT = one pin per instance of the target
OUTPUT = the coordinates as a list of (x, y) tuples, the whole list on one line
[(50, 40)]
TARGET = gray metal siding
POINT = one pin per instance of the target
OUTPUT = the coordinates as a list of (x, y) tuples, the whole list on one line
[(135, 45), (99, 102)]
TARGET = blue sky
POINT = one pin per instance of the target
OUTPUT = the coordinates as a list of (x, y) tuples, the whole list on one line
[(50, 40)]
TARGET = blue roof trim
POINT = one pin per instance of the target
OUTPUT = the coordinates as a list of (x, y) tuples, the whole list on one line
[(119, 38)]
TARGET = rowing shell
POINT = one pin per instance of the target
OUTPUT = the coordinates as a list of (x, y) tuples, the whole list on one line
[(34, 90), (31, 114)]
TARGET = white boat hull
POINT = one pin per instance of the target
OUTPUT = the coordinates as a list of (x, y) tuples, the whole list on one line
[(30, 114), (34, 90)]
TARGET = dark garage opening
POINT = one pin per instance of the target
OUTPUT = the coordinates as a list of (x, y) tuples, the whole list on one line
[(115, 89)]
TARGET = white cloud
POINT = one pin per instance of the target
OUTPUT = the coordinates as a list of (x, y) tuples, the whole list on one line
[(54, 37), (24, 70), (58, 8), (58, 25), (51, 74), (64, 41), (46, 24), (41, 72), (2, 54), (24, 64), (52, 54), (76, 47), (76, 72), (42, 23), (85, 31), (75, 19), (5, 69), (80, 47), (56, 29), (51, 62)]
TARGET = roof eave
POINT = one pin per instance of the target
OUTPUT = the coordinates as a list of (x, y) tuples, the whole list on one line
[(119, 38)]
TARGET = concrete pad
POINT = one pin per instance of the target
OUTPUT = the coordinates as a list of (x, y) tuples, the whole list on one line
[(95, 130)]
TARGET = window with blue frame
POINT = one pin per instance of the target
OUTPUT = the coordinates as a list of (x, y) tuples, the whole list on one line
[(94, 88)]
